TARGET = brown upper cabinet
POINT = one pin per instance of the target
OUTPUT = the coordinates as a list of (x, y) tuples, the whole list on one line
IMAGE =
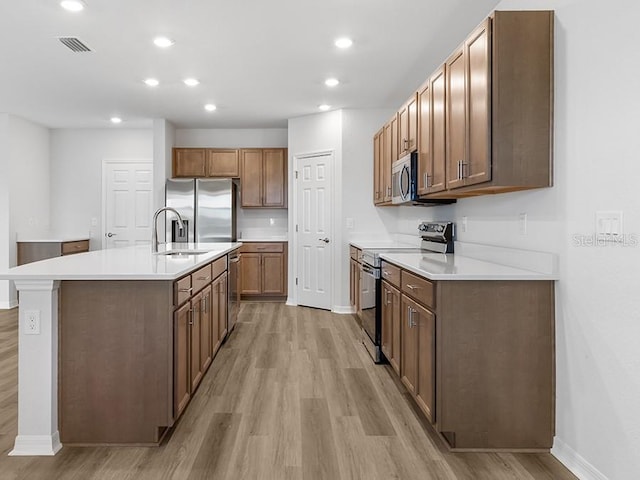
[(263, 173), (431, 134), (206, 162), (499, 106), (378, 182), (223, 163), (189, 162), (485, 118), (408, 126)]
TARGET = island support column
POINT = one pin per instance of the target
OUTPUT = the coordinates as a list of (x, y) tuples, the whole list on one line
[(38, 370)]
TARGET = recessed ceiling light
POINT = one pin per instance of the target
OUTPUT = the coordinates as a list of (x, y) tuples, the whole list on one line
[(163, 42), (331, 82), (116, 120), (191, 82), (210, 107), (152, 82), (73, 5), (324, 107), (343, 42)]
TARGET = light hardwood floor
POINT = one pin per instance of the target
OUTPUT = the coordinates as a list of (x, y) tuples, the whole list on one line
[(291, 395)]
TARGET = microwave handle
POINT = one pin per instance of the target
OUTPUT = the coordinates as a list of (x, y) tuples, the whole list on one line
[(405, 193)]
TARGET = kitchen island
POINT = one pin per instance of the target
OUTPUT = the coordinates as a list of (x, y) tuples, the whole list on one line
[(113, 343)]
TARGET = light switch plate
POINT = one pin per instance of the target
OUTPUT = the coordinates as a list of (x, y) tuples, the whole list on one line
[(349, 223), (465, 224), (522, 224), (609, 225)]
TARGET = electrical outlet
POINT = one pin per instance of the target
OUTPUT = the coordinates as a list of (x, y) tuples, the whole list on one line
[(464, 224), (94, 222), (522, 224), (32, 322), (272, 221), (349, 223)]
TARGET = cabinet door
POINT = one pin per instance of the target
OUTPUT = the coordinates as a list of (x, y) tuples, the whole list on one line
[(438, 180), (205, 329), (189, 162), (251, 273), (385, 165), (408, 118), (377, 168), (215, 317), (425, 389), (456, 118), (394, 140), (353, 265), (273, 273), (274, 178), (223, 163), (195, 328), (387, 321), (409, 346), (396, 319), (424, 138), (222, 308), (478, 68), (251, 177), (181, 380)]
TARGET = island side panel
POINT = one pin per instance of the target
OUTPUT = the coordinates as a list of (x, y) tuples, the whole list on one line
[(495, 375), (116, 361)]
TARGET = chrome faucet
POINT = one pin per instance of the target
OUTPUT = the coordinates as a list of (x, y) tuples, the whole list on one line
[(154, 226)]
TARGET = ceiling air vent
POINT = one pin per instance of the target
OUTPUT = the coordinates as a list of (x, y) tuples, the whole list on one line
[(74, 44)]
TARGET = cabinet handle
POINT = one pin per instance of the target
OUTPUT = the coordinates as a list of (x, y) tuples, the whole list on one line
[(408, 316), (204, 304), (387, 293), (261, 248), (185, 290), (386, 274), (190, 316), (203, 278), (427, 184), (412, 287)]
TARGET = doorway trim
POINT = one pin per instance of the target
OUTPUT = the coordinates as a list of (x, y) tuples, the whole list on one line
[(335, 224)]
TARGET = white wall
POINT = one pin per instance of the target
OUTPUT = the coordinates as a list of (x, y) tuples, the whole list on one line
[(164, 137), (313, 134), (76, 174), (232, 137), (24, 188), (251, 222)]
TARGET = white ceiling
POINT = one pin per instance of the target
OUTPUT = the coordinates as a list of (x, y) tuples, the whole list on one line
[(260, 61)]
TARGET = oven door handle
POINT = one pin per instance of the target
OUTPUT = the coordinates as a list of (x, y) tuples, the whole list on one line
[(374, 272)]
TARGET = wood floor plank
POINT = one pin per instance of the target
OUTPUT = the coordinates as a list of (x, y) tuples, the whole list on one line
[(319, 459), (291, 395)]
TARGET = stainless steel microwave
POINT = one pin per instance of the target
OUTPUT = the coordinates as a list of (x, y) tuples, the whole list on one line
[(404, 183)]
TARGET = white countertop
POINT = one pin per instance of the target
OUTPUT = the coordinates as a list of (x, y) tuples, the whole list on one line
[(127, 263), (274, 238), (371, 244), (53, 239), (438, 266)]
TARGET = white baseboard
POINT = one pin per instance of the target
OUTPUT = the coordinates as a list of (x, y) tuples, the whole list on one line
[(8, 305), (291, 303), (575, 462), (343, 310), (36, 445)]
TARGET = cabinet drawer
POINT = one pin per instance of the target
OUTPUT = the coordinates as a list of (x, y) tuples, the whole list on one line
[(390, 273), (418, 288), (201, 278), (182, 290), (219, 266), (256, 247), (353, 251), (75, 247)]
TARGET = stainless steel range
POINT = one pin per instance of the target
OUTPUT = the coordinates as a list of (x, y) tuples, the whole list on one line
[(436, 237)]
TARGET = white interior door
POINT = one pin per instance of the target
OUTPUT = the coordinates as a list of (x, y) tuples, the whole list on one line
[(315, 243), (128, 205)]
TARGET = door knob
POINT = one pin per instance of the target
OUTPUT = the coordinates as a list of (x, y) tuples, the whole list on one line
[(325, 240), (111, 234)]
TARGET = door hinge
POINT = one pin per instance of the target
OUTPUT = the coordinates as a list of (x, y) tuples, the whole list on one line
[(296, 280), (296, 174), (296, 228)]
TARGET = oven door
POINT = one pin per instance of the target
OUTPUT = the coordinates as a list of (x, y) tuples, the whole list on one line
[(369, 276)]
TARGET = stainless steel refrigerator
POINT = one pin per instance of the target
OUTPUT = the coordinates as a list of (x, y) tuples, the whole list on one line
[(207, 204)]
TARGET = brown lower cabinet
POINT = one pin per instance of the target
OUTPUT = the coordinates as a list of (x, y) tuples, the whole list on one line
[(132, 353), (476, 356), (263, 267)]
